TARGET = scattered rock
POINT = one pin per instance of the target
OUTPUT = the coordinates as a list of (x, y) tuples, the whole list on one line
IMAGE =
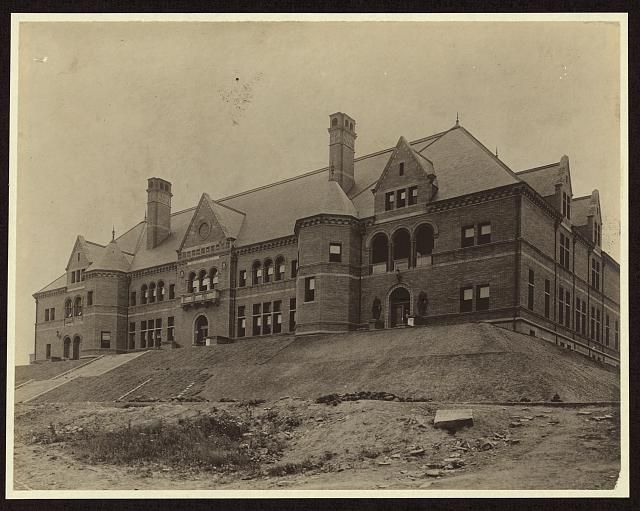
[(384, 462), (486, 444), (433, 473), (454, 462), (426, 484), (584, 412), (395, 456), (453, 419), (515, 424), (556, 398), (417, 452)]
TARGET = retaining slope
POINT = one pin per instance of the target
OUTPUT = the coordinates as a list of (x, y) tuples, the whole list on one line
[(468, 362)]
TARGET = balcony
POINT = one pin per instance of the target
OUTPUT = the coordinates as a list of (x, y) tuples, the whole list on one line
[(70, 320), (423, 260), (401, 264), (210, 296)]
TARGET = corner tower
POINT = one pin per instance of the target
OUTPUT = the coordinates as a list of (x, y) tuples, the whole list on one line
[(158, 211), (342, 137)]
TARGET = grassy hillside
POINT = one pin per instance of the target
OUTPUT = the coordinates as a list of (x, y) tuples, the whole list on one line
[(45, 370), (469, 362)]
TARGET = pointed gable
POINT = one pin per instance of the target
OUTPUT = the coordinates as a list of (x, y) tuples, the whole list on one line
[(83, 254), (212, 223), (112, 259)]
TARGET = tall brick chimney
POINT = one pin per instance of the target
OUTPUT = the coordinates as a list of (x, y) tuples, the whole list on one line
[(158, 211), (342, 137)]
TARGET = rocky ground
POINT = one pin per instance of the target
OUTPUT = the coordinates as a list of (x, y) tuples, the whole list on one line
[(360, 445)]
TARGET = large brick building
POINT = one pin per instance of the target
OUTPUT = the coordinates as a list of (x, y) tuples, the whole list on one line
[(432, 231)]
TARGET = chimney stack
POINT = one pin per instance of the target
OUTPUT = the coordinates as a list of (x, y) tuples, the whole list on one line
[(158, 211), (342, 137)]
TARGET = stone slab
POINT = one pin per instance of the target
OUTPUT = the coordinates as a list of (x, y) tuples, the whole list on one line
[(453, 419)]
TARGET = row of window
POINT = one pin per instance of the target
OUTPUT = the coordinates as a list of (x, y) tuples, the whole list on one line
[(202, 281), (266, 318), (74, 307), (482, 295), (151, 333), (401, 198), (50, 314), (263, 273), (564, 311), (401, 252), (469, 232), (152, 292), (77, 275)]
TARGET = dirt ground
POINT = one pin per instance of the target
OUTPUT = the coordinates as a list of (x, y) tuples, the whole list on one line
[(357, 445)]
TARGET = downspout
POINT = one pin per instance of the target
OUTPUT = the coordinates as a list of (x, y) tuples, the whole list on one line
[(35, 333), (602, 339), (589, 282), (516, 298), (574, 297), (555, 278), (359, 317), (233, 263)]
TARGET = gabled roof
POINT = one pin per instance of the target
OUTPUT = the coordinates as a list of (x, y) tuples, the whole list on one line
[(112, 259), (544, 179), (580, 210), (60, 282), (423, 162), (230, 219)]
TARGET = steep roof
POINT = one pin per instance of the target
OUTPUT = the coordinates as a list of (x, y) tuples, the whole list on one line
[(580, 210), (112, 259), (230, 219), (60, 282), (542, 179)]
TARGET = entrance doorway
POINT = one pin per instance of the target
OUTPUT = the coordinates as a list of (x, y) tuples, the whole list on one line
[(66, 350), (399, 307), (201, 330), (76, 348)]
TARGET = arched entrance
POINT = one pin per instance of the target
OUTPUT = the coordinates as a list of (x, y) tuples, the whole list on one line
[(66, 347), (399, 307), (200, 330), (76, 348)]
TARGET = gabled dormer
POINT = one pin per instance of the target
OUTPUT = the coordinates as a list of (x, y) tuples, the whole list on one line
[(212, 225), (563, 192), (594, 219), (81, 257), (407, 182)]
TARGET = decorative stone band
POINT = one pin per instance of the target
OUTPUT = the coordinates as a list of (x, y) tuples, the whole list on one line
[(327, 219), (267, 245)]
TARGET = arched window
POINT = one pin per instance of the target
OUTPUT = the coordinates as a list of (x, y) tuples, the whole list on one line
[(268, 270), (152, 292), (424, 245), (68, 308), (77, 306), (401, 249), (379, 253), (256, 273), (192, 283), (204, 281), (144, 294), (213, 278), (280, 268), (334, 122), (160, 291)]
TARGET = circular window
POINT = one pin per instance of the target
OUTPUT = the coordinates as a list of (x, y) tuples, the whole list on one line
[(203, 230)]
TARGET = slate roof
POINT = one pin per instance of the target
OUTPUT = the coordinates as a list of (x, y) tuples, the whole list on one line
[(461, 163), (60, 282), (112, 259), (542, 179), (580, 210)]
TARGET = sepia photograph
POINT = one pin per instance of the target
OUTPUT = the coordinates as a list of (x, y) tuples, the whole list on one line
[(357, 255)]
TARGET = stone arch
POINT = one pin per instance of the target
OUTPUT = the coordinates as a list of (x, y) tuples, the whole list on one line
[(389, 303), (379, 253), (401, 248), (77, 343), (66, 347), (423, 243), (200, 329)]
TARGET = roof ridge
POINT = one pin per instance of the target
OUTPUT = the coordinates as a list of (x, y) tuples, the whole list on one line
[(129, 230), (484, 148), (176, 213), (228, 207), (581, 198), (537, 168), (94, 243)]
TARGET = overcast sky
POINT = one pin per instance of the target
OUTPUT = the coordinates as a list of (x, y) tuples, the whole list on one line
[(224, 107)]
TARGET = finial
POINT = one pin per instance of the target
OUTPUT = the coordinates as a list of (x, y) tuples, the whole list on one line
[(457, 119), (113, 233)]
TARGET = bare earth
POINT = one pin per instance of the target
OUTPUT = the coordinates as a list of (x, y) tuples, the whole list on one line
[(357, 445)]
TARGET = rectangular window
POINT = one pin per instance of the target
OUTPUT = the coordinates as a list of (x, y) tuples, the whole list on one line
[(257, 319), (615, 335), (335, 252), (401, 169), (73, 277), (576, 324), (547, 297), (48, 351), (81, 274), (595, 273), (484, 233), (564, 251), (402, 198), (133, 297), (277, 317), (592, 323), (89, 297), (531, 290), (242, 322), (468, 235), (561, 305), (292, 315), (583, 326), (598, 325), (566, 205), (53, 314), (389, 199), (606, 330), (266, 322), (294, 269), (132, 335), (172, 291), (171, 329), (309, 289), (242, 278), (466, 299), (413, 195), (482, 298), (567, 309), (105, 340), (46, 314)]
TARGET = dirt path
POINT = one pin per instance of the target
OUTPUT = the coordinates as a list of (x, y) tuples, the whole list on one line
[(367, 444)]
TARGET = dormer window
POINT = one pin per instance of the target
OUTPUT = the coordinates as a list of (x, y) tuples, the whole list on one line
[(597, 237), (413, 195), (389, 201), (402, 198), (401, 169), (566, 206)]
